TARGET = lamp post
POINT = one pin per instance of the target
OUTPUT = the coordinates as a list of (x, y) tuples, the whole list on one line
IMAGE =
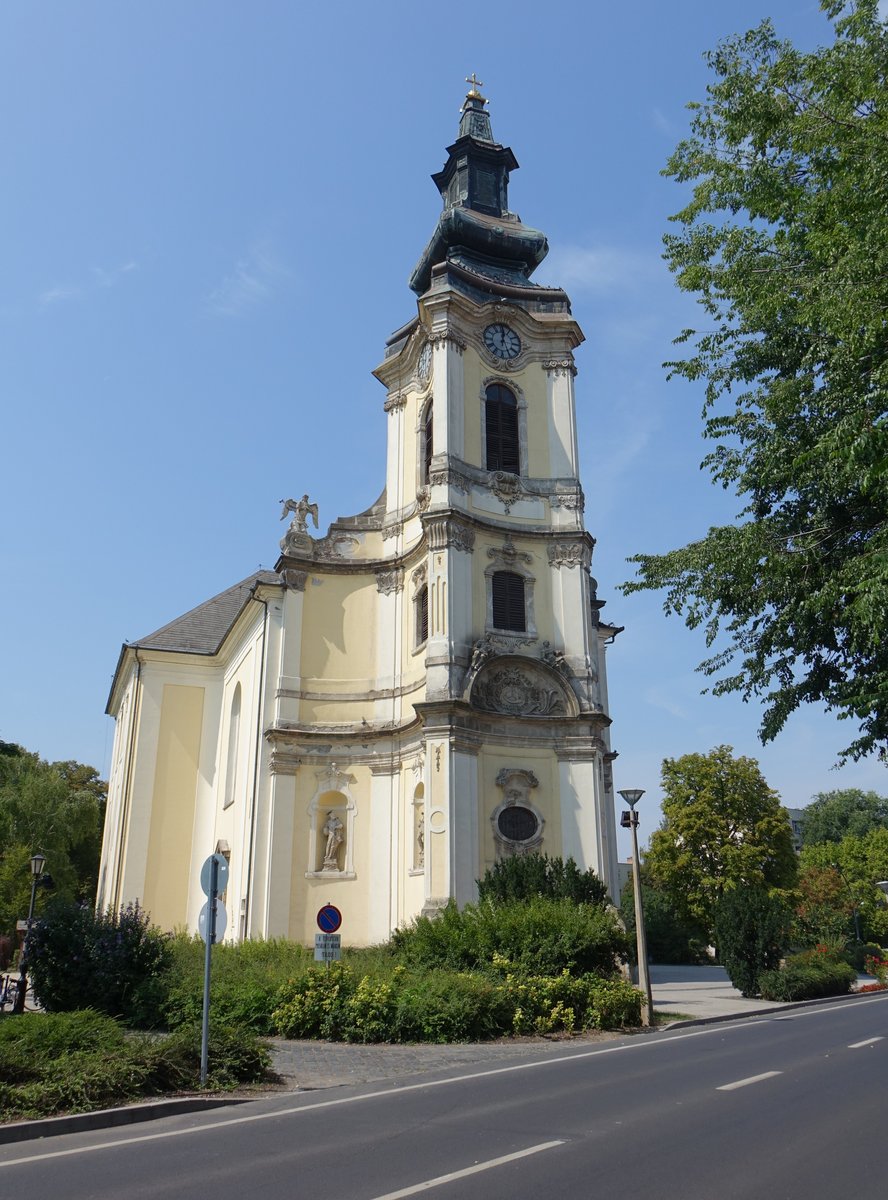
[(38, 862), (630, 819)]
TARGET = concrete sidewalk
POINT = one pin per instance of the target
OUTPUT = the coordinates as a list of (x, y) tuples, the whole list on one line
[(700, 993)]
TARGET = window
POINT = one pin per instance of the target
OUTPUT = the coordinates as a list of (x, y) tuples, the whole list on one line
[(501, 430), (508, 601), (231, 761), (427, 443), (421, 604), (517, 824)]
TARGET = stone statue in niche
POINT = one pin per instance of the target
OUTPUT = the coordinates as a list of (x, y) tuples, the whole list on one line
[(334, 832), (420, 837)]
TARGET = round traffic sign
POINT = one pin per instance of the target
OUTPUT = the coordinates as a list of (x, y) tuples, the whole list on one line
[(329, 918), (221, 874), (203, 921)]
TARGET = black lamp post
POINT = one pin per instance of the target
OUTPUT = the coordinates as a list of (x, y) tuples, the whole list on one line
[(630, 819), (38, 862)]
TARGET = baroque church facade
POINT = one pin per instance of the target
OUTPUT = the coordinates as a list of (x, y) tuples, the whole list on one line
[(422, 690)]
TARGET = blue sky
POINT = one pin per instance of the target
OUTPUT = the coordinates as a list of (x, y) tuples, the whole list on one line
[(211, 210)]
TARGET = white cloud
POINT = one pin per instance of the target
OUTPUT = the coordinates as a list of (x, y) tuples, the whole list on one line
[(600, 269), (100, 277), (252, 281)]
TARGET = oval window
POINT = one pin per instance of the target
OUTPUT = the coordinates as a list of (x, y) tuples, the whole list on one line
[(517, 824)]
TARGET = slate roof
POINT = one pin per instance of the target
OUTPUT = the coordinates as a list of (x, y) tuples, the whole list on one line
[(204, 629)]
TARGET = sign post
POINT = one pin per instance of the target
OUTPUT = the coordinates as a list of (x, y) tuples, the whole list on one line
[(211, 923)]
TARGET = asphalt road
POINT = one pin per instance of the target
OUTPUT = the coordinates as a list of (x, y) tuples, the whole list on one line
[(784, 1107)]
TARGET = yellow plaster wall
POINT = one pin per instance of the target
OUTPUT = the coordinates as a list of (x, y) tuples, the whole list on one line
[(339, 627), (172, 805), (531, 382)]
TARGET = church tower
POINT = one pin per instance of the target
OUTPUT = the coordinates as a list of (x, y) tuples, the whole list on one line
[(421, 691)]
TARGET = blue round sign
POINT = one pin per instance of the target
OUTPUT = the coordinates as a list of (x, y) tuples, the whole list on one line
[(329, 918)]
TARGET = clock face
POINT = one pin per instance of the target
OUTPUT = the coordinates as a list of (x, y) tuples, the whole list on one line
[(502, 341), (425, 361)]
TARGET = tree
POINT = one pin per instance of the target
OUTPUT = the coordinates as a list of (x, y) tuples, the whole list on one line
[(723, 828), (860, 863), (834, 815), (752, 929), (524, 876), (785, 243), (53, 807), (670, 936)]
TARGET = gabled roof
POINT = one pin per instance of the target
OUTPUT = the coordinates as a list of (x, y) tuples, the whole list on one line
[(204, 629)]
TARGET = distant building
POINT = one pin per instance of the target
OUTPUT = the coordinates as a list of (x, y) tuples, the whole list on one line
[(796, 821)]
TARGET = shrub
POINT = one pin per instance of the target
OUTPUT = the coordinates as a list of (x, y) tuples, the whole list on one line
[(540, 937), (807, 979), (751, 929), (450, 1006), (112, 962), (857, 954), (877, 966), (526, 876)]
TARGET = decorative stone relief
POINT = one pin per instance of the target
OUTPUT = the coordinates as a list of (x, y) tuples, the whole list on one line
[(389, 581), (448, 338), (423, 497), (518, 691), (574, 501), (554, 658), (340, 546), (444, 532), (560, 366), (419, 576), (507, 488), (391, 531), (395, 401), (568, 554), (482, 650), (517, 824), (447, 477), (294, 580), (508, 555)]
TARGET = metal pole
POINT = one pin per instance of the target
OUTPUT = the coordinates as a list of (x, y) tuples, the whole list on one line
[(19, 1006), (644, 978), (211, 937)]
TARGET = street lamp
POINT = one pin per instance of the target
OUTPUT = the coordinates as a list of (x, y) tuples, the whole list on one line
[(38, 862), (630, 820)]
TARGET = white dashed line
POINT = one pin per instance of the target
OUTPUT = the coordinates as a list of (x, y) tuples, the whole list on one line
[(729, 1087), (485, 1166), (868, 1042)]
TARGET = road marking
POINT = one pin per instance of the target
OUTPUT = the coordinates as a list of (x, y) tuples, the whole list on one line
[(478, 1167), (738, 1083), (396, 1090), (868, 1042)]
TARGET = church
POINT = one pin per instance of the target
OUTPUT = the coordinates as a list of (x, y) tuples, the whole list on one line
[(421, 690)]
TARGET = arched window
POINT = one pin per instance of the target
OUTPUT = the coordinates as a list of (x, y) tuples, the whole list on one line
[(231, 758), (428, 445), (509, 610), (501, 430), (421, 606)]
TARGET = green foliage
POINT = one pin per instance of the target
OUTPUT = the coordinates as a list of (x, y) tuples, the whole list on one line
[(671, 936), (825, 906), (524, 876), (449, 1006), (112, 962), (805, 978), (56, 808), (541, 937), (77, 1061), (862, 861), (752, 929), (785, 244), (722, 828), (846, 812), (244, 982)]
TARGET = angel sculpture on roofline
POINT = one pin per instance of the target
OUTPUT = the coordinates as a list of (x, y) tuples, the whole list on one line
[(301, 510)]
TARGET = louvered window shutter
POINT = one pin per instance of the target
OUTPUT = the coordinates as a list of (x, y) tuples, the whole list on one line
[(501, 430), (422, 616), (508, 601), (427, 444)]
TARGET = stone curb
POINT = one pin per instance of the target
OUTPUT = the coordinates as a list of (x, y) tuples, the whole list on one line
[(107, 1118)]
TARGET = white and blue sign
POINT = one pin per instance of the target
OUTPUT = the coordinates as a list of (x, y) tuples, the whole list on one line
[(329, 918)]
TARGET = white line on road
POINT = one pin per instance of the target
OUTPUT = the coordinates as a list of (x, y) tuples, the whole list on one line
[(868, 1042), (396, 1091), (738, 1083), (478, 1167)]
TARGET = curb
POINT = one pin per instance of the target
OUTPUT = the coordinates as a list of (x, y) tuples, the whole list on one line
[(107, 1118), (761, 1012)]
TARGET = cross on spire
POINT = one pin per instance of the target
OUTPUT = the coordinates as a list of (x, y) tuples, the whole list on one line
[(476, 83)]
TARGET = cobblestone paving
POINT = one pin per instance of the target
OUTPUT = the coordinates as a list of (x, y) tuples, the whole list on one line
[(332, 1064)]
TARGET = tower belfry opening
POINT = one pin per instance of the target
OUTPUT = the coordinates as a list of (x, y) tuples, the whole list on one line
[(420, 690)]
